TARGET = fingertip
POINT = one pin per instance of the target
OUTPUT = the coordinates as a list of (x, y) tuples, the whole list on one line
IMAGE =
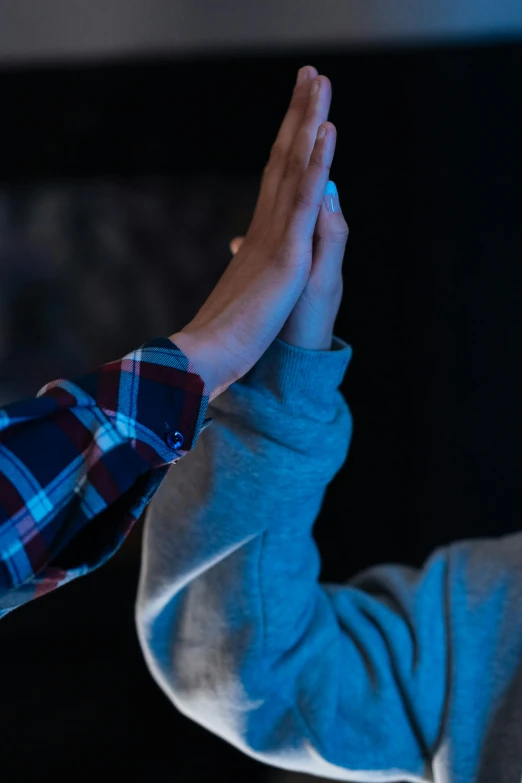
[(330, 127), (326, 129), (311, 72), (235, 244)]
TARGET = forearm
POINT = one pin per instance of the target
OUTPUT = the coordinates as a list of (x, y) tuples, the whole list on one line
[(89, 451), (260, 460), (232, 620), (245, 500), (202, 600)]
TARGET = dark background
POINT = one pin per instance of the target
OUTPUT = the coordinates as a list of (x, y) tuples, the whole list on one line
[(121, 187)]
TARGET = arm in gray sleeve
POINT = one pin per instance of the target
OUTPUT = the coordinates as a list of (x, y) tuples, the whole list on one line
[(390, 677)]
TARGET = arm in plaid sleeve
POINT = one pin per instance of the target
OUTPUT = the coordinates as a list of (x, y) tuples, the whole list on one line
[(79, 463)]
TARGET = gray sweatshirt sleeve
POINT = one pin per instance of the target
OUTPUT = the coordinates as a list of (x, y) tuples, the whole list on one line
[(391, 677)]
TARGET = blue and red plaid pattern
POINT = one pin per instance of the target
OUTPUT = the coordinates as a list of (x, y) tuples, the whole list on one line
[(93, 449)]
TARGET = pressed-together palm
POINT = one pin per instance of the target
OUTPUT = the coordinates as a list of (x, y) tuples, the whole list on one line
[(251, 303)]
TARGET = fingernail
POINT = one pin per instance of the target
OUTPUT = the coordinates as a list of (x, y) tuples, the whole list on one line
[(315, 86), (302, 75), (331, 198)]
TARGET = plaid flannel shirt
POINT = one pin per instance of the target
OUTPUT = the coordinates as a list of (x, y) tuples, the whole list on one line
[(80, 461)]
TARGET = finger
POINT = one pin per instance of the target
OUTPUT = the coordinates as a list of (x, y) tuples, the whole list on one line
[(310, 192), (299, 155), (273, 170), (331, 236), (235, 244)]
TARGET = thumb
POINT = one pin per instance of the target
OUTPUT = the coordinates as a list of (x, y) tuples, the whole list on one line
[(331, 235), (235, 244)]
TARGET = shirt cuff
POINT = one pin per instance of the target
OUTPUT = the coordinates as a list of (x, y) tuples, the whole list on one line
[(153, 397)]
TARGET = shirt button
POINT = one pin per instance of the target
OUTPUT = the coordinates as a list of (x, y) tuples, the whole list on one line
[(174, 440)]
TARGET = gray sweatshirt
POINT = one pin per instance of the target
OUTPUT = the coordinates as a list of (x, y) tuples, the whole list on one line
[(398, 675)]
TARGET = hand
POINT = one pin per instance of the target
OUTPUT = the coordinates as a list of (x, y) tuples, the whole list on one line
[(311, 323), (260, 287)]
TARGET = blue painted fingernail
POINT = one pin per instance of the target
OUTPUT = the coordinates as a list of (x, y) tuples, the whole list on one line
[(331, 199)]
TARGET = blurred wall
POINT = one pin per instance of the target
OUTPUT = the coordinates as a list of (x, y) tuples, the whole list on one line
[(58, 29)]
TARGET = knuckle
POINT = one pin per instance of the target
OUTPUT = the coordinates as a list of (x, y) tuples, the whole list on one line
[(304, 199), (331, 287), (327, 166), (318, 163), (299, 100), (276, 155), (315, 163), (338, 233), (293, 167), (276, 151), (316, 160), (283, 253), (324, 283), (336, 292)]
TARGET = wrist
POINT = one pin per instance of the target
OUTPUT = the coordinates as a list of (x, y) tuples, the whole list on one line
[(310, 340), (204, 358)]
